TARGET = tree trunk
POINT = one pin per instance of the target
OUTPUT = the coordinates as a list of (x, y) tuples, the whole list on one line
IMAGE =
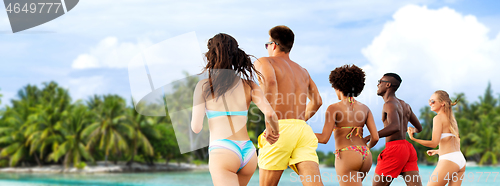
[(152, 161), (37, 160), (66, 160), (133, 153), (106, 159)]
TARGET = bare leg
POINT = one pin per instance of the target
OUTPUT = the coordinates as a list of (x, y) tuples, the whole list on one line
[(458, 182), (412, 178), (379, 180), (269, 177), (245, 174), (445, 172), (309, 170), (223, 165)]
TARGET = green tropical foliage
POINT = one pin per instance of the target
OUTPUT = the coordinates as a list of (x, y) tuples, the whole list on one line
[(44, 126), (72, 147)]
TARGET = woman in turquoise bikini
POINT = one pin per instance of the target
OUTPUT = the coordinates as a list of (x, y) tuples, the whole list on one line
[(347, 118), (225, 97)]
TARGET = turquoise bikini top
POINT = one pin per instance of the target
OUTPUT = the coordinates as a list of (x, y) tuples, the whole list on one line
[(213, 114)]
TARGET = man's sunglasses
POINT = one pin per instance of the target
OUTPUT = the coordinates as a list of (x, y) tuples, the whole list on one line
[(270, 42), (380, 81)]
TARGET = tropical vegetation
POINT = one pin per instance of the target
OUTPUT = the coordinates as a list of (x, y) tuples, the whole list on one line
[(43, 125)]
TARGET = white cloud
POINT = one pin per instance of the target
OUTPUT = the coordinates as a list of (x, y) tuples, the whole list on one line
[(434, 49), (84, 61), (109, 53)]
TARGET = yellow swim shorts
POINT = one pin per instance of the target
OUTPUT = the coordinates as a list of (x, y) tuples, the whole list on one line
[(297, 143)]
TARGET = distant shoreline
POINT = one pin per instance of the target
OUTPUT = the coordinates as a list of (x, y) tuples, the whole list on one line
[(138, 168), (111, 168)]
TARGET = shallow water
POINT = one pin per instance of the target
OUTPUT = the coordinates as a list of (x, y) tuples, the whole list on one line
[(474, 176)]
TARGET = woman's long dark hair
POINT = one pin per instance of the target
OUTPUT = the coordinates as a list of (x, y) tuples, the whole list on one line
[(225, 63)]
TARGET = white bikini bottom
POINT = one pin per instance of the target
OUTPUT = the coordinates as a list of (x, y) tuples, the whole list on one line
[(456, 157)]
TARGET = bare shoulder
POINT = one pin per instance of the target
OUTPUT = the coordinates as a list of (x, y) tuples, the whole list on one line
[(305, 71), (390, 105), (363, 106), (334, 107), (406, 106), (201, 83), (438, 118), (402, 102), (263, 61)]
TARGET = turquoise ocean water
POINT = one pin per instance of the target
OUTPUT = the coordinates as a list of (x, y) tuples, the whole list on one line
[(474, 176)]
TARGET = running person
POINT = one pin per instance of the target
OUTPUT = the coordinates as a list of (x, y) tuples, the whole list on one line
[(451, 164), (232, 156), (347, 118), (287, 87), (399, 157)]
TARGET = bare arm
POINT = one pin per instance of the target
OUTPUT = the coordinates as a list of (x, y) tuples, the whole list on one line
[(437, 129), (370, 123), (261, 102), (325, 135), (392, 120), (198, 108), (315, 100), (268, 84), (415, 122)]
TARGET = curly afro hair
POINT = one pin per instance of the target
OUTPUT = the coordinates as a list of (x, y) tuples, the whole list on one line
[(349, 79)]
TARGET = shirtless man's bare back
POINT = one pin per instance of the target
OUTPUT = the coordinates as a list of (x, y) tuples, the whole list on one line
[(287, 87)]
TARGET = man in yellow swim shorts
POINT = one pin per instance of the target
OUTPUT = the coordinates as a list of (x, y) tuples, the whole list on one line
[(287, 87)]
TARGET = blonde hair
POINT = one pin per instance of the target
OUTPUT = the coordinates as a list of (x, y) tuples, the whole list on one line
[(443, 97)]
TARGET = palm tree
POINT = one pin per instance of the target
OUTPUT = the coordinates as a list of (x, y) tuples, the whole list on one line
[(426, 117), (15, 125), (73, 147), (46, 122), (483, 130), (143, 130), (12, 134), (111, 128), (485, 141), (181, 101)]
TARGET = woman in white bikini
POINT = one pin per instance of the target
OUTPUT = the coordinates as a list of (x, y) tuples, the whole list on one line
[(451, 164)]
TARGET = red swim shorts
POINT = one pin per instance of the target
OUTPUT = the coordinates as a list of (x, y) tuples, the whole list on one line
[(398, 156)]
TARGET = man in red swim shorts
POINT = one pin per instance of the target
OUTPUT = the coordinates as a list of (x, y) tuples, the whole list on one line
[(399, 157)]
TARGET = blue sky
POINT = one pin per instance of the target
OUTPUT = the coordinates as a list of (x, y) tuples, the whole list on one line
[(449, 44)]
